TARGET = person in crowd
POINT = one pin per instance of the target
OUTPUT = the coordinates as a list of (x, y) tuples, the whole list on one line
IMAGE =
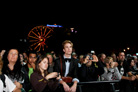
[(80, 62), (54, 55), (113, 55), (131, 64), (101, 58), (111, 71), (30, 67), (41, 80), (127, 76), (74, 55), (32, 57), (25, 56), (6, 85), (51, 62), (13, 69), (67, 66), (22, 59), (134, 71), (90, 72), (135, 62)]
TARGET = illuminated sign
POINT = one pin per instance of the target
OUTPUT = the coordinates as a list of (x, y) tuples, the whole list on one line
[(54, 25)]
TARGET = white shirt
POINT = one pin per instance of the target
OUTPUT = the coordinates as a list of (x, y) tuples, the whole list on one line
[(108, 75), (67, 67), (10, 86)]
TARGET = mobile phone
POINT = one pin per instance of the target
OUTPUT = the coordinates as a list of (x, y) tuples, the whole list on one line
[(58, 75)]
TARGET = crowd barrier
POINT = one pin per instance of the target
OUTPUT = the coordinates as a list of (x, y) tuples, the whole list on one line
[(80, 84)]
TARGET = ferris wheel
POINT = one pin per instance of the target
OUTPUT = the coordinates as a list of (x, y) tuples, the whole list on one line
[(38, 37)]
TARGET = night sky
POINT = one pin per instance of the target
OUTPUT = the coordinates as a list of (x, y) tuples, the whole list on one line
[(99, 32)]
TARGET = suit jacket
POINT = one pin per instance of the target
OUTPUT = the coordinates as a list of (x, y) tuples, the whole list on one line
[(73, 68)]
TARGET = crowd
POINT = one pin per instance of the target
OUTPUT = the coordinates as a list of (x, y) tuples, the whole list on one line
[(32, 71)]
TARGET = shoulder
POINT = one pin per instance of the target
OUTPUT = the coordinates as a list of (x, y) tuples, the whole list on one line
[(75, 60), (34, 74), (58, 59)]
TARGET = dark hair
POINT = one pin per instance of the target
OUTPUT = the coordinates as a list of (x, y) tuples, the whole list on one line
[(16, 72), (32, 52), (39, 59), (129, 60), (1, 65), (49, 54)]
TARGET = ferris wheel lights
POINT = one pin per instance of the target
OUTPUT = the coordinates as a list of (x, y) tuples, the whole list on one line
[(37, 37)]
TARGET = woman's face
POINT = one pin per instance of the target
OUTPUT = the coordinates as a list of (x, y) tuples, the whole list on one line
[(43, 65), (132, 63), (12, 55)]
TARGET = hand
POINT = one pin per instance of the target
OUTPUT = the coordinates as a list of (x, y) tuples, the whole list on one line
[(58, 76), (51, 75), (113, 64), (95, 58), (2, 52), (137, 77), (19, 85), (66, 87), (85, 61), (89, 64), (73, 88), (132, 78), (32, 65)]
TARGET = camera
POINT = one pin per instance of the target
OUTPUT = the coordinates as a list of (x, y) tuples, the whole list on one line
[(90, 57)]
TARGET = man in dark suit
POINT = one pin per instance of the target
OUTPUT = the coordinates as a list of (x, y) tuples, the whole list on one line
[(69, 66)]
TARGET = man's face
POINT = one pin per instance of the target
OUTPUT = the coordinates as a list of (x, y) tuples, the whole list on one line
[(50, 58), (121, 56), (67, 49), (32, 58)]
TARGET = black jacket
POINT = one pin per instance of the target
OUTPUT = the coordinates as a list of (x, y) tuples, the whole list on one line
[(73, 69), (91, 73)]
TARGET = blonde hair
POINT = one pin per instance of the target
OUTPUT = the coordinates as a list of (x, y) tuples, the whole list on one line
[(67, 41), (107, 59), (1, 65)]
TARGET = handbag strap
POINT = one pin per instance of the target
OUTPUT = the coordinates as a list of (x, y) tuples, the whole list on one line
[(61, 66)]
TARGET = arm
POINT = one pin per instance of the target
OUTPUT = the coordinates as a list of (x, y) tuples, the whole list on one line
[(38, 82), (130, 77), (107, 75), (74, 86), (117, 74), (95, 58), (17, 90), (11, 86)]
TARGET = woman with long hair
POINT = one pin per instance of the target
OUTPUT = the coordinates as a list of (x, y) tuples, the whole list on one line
[(41, 80), (13, 69)]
